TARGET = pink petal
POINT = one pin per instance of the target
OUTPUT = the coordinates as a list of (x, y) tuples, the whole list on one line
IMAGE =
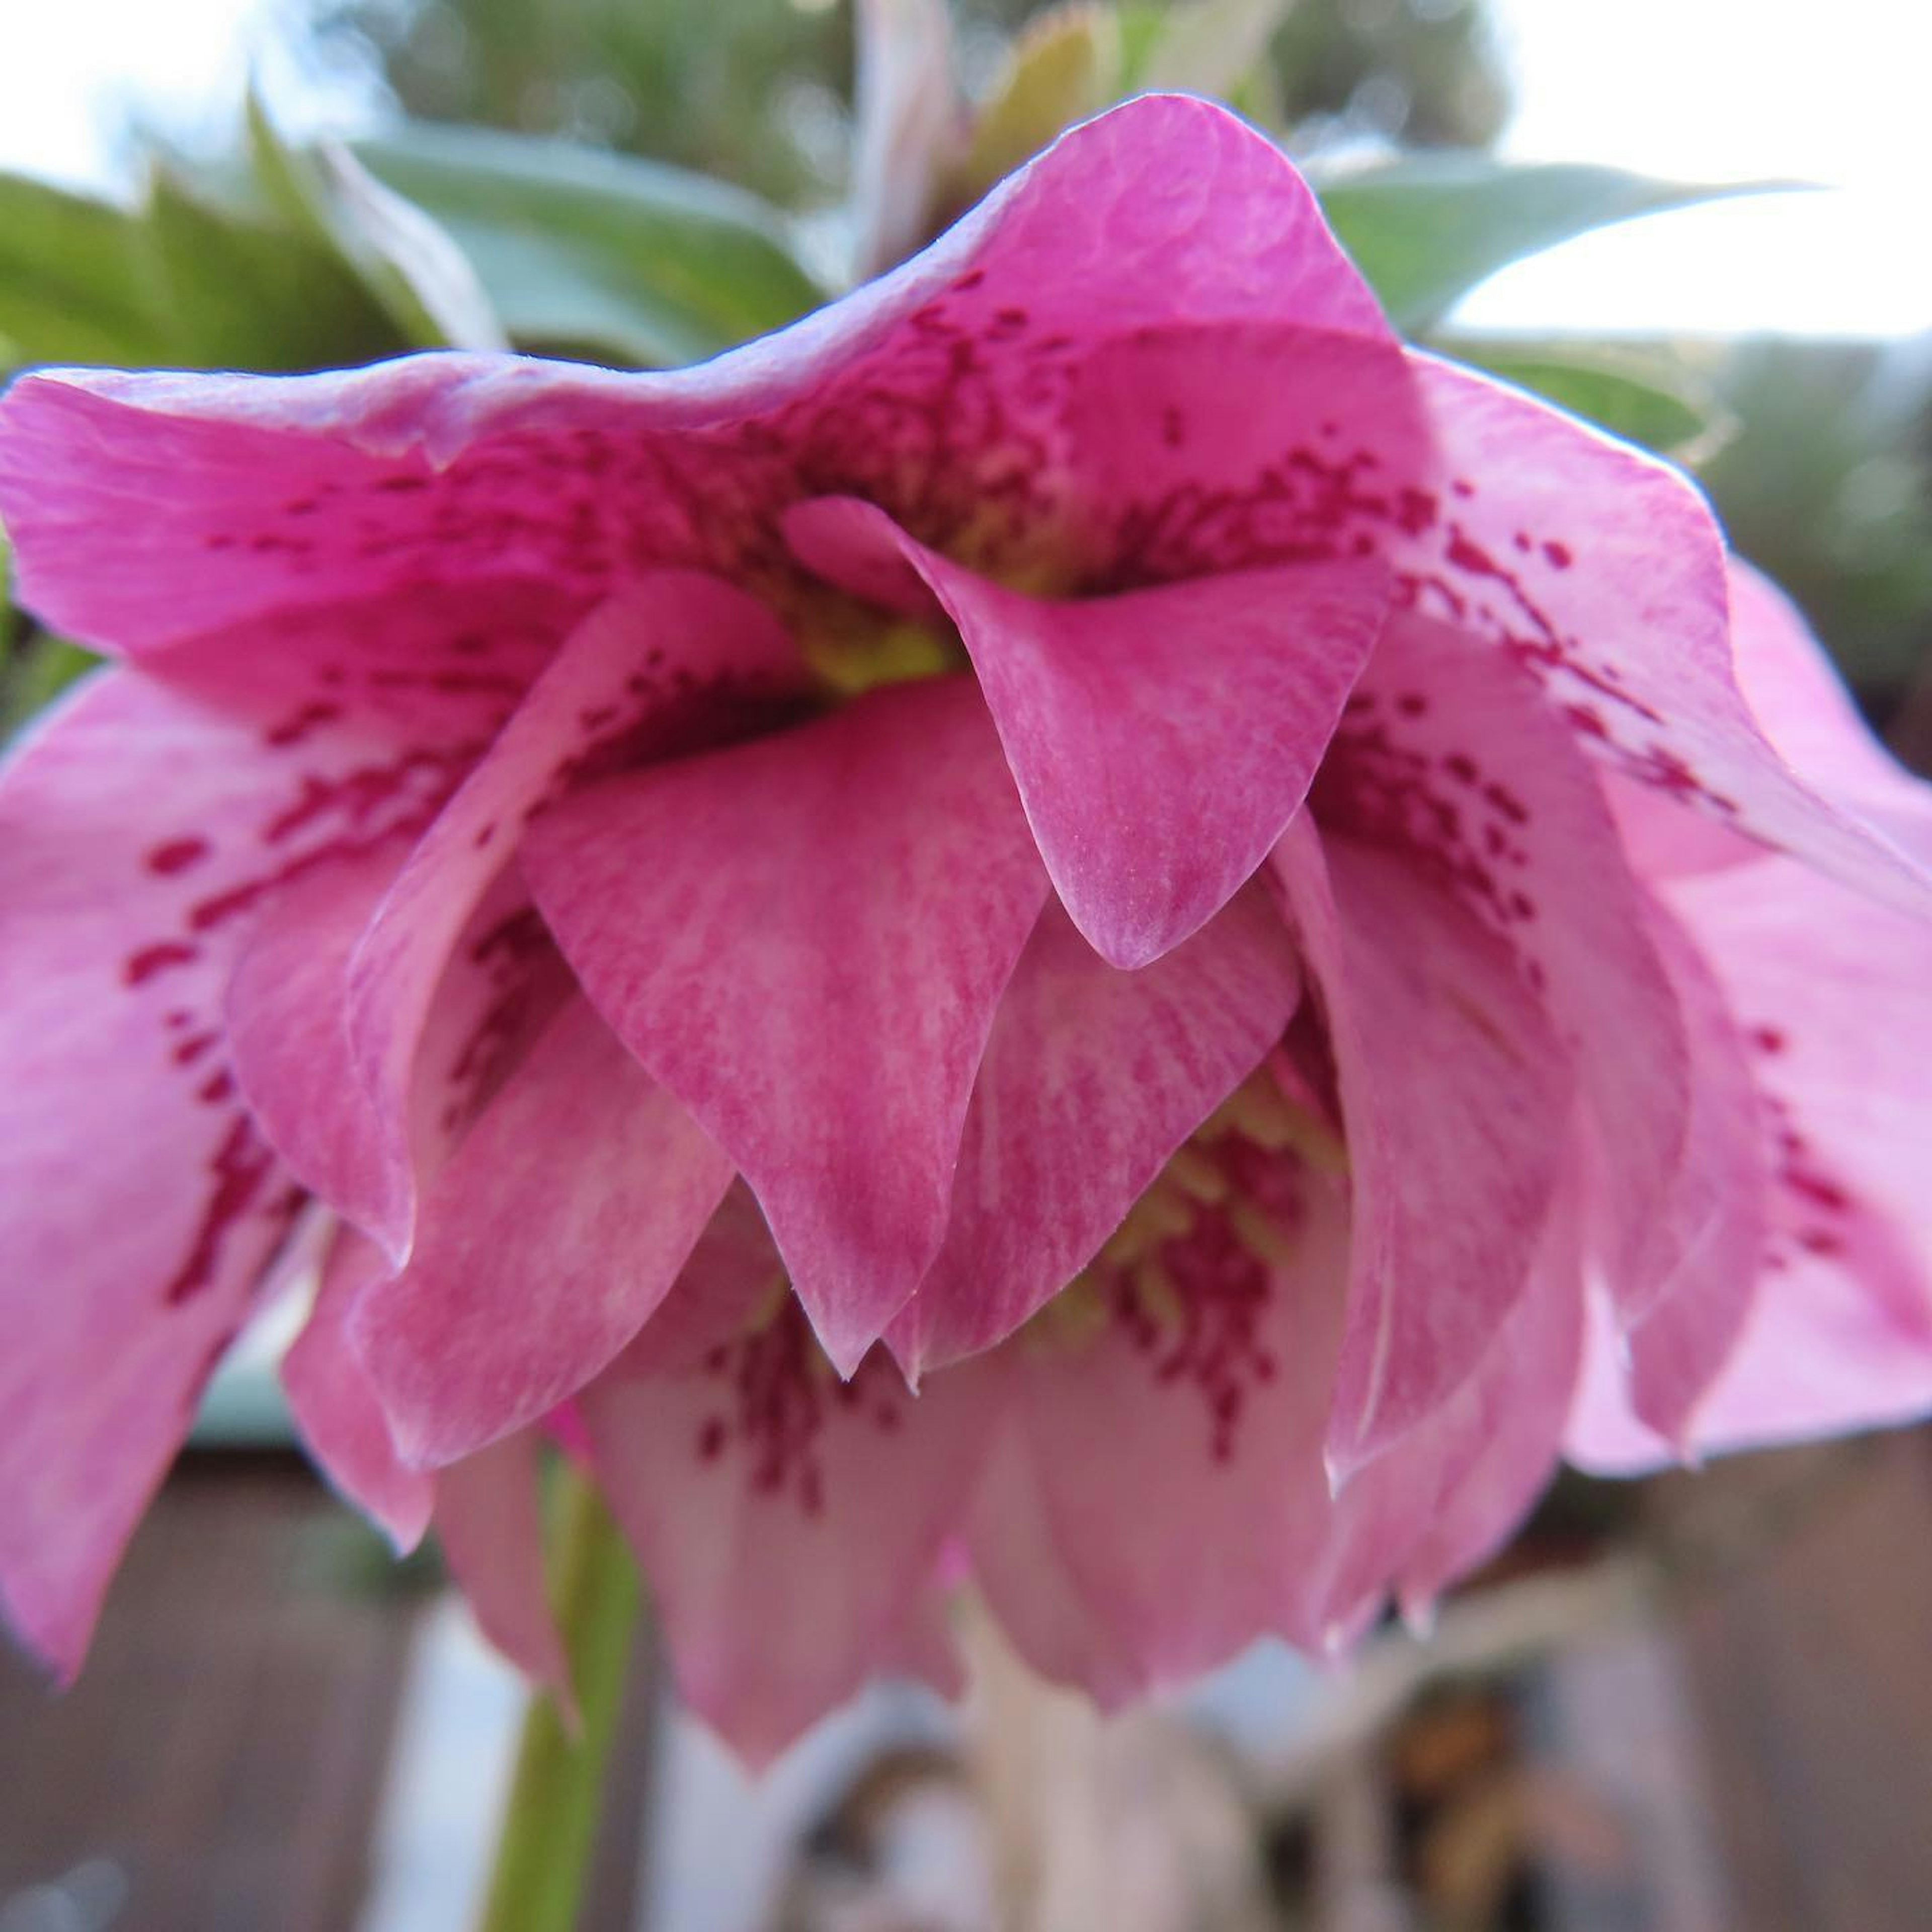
[(488, 1524), (1457, 1099), (672, 664), (147, 826), (786, 1523), (1453, 1491), (1711, 1224), (141, 1205), (145, 510), (1451, 754), (1199, 451), (1826, 986), (1091, 1079), (1020, 1564), (804, 939), (1161, 740), (731, 1281), (287, 1027), (1602, 570), (1177, 1459), (1796, 693), (334, 1404), (556, 1229)]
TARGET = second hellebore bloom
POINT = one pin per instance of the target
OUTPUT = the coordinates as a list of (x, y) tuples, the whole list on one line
[(1080, 831)]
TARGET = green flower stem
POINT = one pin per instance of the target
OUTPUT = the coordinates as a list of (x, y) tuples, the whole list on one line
[(549, 1820)]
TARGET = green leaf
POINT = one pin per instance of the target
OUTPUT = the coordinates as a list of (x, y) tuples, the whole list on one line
[(598, 254), (412, 270), (69, 287), (181, 282), (1425, 231), (1646, 396), (231, 293)]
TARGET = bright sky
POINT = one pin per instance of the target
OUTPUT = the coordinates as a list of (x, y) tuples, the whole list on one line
[(1829, 91)]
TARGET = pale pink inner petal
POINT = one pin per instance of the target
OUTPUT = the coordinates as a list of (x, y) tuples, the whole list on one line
[(1091, 1079), (1450, 1492), (804, 939), (788, 1522), (1173, 1430), (1712, 1225)]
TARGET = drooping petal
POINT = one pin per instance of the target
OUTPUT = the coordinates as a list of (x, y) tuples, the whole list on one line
[(1603, 570), (488, 1524), (559, 1226), (1161, 739), (1091, 1079), (1171, 1421), (334, 1404), (804, 939), (1828, 988), (672, 664), (788, 1522), (148, 826), (1450, 754), (1456, 1100)]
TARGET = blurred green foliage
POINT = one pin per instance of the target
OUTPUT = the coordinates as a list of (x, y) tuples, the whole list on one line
[(1825, 480), (757, 92)]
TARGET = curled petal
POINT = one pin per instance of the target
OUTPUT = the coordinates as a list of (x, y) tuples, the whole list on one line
[(1161, 739), (1602, 571), (1451, 1491)]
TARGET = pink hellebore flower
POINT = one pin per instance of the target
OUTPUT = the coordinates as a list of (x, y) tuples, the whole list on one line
[(1081, 832)]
